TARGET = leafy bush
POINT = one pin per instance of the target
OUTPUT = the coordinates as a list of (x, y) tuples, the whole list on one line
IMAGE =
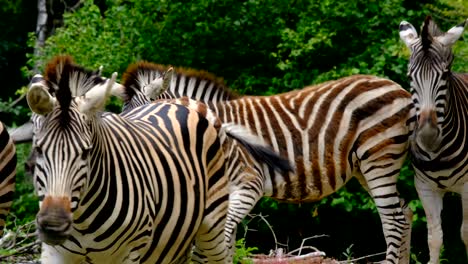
[(267, 47)]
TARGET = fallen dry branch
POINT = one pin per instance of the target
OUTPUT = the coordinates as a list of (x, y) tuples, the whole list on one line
[(279, 256), (20, 245)]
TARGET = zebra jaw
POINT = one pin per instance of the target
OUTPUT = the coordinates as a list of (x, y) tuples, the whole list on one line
[(54, 220)]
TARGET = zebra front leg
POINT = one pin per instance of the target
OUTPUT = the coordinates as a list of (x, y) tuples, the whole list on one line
[(464, 228), (432, 202)]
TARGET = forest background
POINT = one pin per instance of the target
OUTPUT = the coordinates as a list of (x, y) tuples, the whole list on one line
[(260, 47)]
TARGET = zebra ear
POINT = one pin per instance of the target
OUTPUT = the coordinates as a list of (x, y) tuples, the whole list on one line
[(39, 99), (118, 90), (167, 79), (95, 99), (159, 85), (449, 38), (408, 34)]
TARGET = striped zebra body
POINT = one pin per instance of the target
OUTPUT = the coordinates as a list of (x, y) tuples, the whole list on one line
[(439, 147), (7, 174), (132, 188), (244, 164), (352, 127)]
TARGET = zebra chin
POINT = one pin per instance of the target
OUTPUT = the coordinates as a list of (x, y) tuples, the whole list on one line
[(54, 220)]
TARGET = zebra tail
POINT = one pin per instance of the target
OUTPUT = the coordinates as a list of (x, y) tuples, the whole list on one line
[(260, 151)]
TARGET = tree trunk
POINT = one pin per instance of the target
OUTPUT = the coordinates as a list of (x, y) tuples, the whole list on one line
[(41, 31)]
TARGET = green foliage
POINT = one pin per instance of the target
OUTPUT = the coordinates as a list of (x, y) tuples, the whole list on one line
[(242, 251), (259, 47), (25, 203), (95, 40)]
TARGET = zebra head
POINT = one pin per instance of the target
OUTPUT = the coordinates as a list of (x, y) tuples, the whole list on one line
[(25, 133), (142, 82), (428, 70), (63, 141)]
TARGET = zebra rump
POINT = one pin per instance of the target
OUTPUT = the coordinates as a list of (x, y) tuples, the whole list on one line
[(7, 174)]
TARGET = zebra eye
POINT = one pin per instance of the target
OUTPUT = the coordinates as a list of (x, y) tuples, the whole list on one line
[(445, 74), (38, 150), (85, 153)]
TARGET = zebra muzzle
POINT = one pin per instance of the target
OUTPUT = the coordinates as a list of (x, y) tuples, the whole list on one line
[(54, 220), (428, 132)]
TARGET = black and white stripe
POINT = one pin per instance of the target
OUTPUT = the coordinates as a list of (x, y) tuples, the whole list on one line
[(246, 154), (7, 174), (351, 127), (440, 141)]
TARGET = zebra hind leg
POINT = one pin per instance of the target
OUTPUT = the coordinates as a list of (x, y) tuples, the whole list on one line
[(209, 240), (396, 226), (464, 228), (405, 250), (241, 202), (404, 225)]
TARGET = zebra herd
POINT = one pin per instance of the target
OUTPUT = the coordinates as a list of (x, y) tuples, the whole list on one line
[(169, 179)]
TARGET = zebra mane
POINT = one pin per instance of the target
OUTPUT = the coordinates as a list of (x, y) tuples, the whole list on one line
[(142, 73), (207, 76), (68, 80), (428, 32), (139, 75)]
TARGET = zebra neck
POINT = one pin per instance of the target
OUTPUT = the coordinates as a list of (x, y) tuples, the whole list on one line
[(457, 105)]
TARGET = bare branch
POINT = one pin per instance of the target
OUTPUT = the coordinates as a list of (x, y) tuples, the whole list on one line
[(364, 257)]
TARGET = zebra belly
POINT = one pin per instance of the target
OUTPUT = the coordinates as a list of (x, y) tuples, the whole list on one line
[(305, 188)]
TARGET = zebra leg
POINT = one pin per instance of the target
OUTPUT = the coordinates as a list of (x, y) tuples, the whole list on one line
[(244, 195), (241, 202), (403, 225), (405, 250), (209, 241), (464, 228), (432, 202)]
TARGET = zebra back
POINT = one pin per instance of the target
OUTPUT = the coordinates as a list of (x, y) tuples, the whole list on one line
[(144, 80), (286, 122), (7, 174), (261, 153)]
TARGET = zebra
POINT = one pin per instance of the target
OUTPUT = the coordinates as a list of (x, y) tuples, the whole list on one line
[(357, 126), (196, 155), (7, 174), (240, 165), (439, 147), (123, 189)]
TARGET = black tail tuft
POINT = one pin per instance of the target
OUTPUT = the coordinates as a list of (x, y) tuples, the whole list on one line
[(265, 154)]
